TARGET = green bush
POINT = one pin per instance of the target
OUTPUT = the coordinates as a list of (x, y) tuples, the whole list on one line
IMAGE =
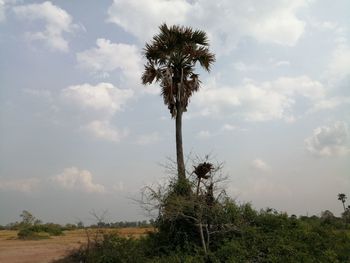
[(111, 249), (50, 228), (265, 236), (39, 231), (28, 234)]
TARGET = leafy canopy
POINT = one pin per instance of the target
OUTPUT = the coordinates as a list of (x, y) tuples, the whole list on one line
[(171, 59)]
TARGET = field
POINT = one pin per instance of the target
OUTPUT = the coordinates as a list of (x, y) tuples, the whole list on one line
[(13, 250)]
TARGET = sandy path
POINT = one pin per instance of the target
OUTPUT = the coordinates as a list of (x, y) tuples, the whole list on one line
[(41, 251), (13, 250)]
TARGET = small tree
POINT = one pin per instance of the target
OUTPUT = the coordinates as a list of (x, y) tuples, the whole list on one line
[(342, 197), (327, 217), (195, 218), (28, 218)]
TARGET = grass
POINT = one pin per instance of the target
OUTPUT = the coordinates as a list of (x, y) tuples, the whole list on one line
[(8, 234)]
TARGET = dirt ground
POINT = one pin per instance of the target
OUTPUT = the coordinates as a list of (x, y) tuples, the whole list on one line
[(13, 250)]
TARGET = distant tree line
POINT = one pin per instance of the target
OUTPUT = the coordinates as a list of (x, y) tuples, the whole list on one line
[(29, 220), (122, 224)]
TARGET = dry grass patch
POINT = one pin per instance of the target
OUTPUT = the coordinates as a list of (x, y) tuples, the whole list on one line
[(43, 251)]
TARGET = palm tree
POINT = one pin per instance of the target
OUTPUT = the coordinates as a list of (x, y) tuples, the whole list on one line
[(171, 59), (342, 198)]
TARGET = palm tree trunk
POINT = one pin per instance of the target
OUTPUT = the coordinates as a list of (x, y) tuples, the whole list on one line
[(179, 147), (200, 226), (199, 183), (344, 206), (178, 127)]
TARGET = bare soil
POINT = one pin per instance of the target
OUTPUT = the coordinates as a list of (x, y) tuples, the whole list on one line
[(13, 250)]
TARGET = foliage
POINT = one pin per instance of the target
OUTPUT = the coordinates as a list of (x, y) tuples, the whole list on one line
[(122, 224), (171, 59), (27, 218), (111, 248), (346, 215), (29, 234), (260, 236), (40, 231), (69, 226), (32, 228)]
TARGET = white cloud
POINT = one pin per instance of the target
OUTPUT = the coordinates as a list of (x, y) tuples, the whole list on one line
[(282, 63), (330, 103), (204, 134), (302, 85), (148, 139), (57, 22), (40, 93), (253, 101), (142, 17), (108, 57), (329, 140), (104, 130), (4, 5), (20, 185), (229, 127), (260, 67), (225, 21), (277, 23), (103, 97), (99, 103), (260, 165), (78, 180), (323, 25), (2, 10), (243, 67), (339, 66)]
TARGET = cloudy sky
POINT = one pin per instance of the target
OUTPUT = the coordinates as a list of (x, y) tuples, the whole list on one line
[(79, 132)]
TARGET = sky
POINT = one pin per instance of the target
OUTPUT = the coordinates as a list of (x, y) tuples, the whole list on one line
[(79, 132)]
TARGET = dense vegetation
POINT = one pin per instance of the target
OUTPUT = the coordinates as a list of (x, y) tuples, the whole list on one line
[(32, 228), (244, 235), (264, 236), (40, 231)]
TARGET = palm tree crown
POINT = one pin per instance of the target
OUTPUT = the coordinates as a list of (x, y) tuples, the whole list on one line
[(171, 59), (342, 197)]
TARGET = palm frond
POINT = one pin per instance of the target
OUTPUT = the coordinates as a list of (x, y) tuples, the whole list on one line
[(150, 74)]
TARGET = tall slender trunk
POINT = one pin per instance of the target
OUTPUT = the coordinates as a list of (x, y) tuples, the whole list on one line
[(200, 226), (179, 147), (178, 127), (199, 183), (344, 206)]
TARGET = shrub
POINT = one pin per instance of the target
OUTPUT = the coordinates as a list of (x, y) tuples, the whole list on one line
[(40, 231), (29, 234), (70, 227), (111, 248), (265, 236)]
